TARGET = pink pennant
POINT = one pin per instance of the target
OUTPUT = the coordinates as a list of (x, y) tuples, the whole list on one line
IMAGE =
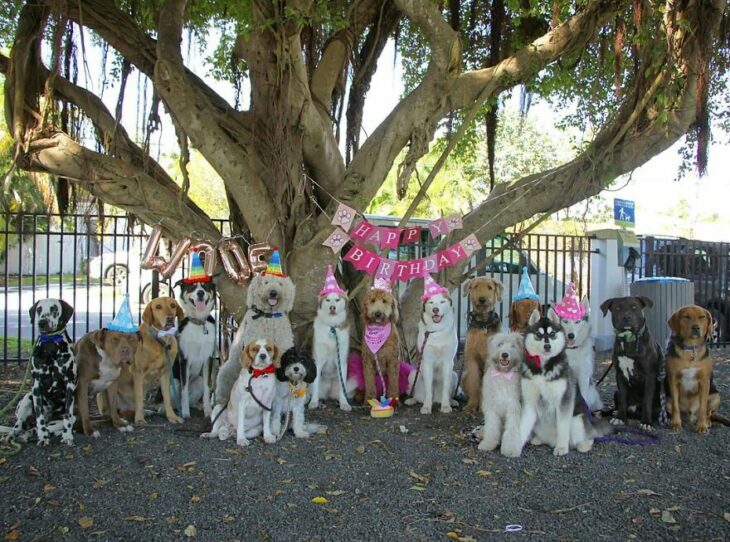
[(355, 256), (456, 253), (389, 237), (371, 262), (401, 272), (336, 240), (411, 235), (344, 216), (386, 269), (454, 222), (470, 244), (438, 228), (430, 264), (362, 230)]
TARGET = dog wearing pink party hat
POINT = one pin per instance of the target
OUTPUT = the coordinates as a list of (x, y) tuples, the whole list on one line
[(575, 318), (437, 342), (331, 345)]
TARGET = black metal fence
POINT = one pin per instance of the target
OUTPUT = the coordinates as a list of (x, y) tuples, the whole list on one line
[(91, 261), (705, 263)]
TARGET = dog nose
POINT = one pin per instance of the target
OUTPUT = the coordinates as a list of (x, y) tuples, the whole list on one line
[(43, 322), (201, 294), (378, 314), (296, 369), (435, 310), (571, 336), (505, 355), (124, 350), (273, 293), (548, 347), (695, 327), (262, 356), (482, 300)]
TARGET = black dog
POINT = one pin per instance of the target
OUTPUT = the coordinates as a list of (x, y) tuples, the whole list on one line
[(638, 360), (53, 368)]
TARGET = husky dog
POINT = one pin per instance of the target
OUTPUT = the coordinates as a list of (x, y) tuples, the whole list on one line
[(501, 394), (579, 351), (549, 409)]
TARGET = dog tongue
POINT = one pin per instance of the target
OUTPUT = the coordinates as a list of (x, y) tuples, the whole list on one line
[(273, 301), (199, 306), (437, 318)]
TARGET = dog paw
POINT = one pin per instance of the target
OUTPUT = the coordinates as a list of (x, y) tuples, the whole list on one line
[(487, 445), (243, 442), (301, 434), (346, 407), (313, 405), (186, 415), (95, 434), (207, 412), (139, 423), (410, 401), (702, 427), (584, 446), (208, 435), (509, 451), (616, 421), (454, 403), (126, 429), (175, 419), (269, 439), (44, 441), (560, 450), (67, 439), (425, 409), (471, 408), (445, 409), (646, 427), (535, 441)]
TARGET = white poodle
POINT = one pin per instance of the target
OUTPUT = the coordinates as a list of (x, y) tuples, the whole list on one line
[(501, 394), (270, 298)]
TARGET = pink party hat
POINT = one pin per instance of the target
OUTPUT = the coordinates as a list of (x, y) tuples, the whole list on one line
[(330, 284), (432, 288), (381, 283), (570, 308)]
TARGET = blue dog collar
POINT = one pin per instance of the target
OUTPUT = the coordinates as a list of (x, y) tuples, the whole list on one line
[(55, 337)]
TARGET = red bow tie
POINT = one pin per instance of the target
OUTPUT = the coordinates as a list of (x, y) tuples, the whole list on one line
[(268, 370), (533, 359)]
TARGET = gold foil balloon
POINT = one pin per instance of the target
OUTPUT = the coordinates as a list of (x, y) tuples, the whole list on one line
[(178, 253), (150, 260), (257, 254), (234, 261)]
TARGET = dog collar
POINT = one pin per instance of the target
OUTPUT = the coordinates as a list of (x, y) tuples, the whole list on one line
[(693, 349), (628, 335), (507, 375), (268, 370), (261, 314), (473, 320), (55, 337), (534, 359), (298, 391)]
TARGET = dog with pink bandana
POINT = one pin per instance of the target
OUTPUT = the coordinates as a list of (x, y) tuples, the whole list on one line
[(437, 342), (575, 318)]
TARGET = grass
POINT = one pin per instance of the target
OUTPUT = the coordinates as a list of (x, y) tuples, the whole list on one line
[(12, 344), (42, 280)]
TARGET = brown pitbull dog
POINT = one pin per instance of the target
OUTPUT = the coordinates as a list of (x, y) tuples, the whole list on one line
[(100, 356), (483, 322), (689, 368)]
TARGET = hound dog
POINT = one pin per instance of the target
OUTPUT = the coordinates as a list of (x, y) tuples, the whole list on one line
[(638, 361), (483, 322), (152, 363), (101, 354), (381, 347), (53, 370), (689, 368), (519, 314), (248, 412), (196, 344)]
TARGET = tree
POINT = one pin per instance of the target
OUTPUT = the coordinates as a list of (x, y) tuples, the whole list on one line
[(308, 62)]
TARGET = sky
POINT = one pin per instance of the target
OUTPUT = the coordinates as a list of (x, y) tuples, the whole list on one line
[(663, 206)]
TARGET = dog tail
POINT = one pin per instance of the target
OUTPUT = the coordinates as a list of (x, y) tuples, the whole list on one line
[(720, 419), (601, 427)]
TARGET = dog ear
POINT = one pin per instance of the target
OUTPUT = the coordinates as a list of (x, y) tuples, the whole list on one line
[(178, 283), (247, 355), (67, 311), (674, 321), (98, 337), (180, 313), (277, 357), (311, 368), (289, 293), (512, 315), (645, 301), (394, 315), (534, 317), (467, 287), (586, 304), (147, 316), (553, 316), (32, 312), (499, 289), (710, 325), (606, 305)]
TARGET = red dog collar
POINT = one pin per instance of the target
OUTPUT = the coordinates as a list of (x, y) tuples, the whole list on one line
[(268, 370)]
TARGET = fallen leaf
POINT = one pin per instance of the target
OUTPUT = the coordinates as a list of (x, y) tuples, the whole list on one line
[(99, 483), (86, 522), (86, 448), (673, 508), (190, 531), (187, 467), (99, 533), (153, 496), (678, 449), (287, 481), (360, 449), (280, 460), (484, 473), (13, 533), (418, 487), (320, 500), (336, 493), (419, 477), (468, 461), (667, 517), (654, 511), (528, 473), (3, 460), (34, 471), (194, 498), (134, 518), (452, 535), (170, 520), (48, 488), (228, 519), (726, 515), (62, 530), (629, 481), (648, 493)]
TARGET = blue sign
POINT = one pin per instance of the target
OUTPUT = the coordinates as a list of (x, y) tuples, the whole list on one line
[(623, 213)]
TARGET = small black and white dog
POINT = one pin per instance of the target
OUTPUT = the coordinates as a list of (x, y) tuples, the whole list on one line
[(53, 369), (196, 345), (296, 372), (551, 411)]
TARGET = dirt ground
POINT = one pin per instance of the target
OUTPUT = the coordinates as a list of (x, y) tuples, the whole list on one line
[(411, 477)]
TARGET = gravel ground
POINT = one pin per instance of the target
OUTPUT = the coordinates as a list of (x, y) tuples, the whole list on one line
[(379, 481)]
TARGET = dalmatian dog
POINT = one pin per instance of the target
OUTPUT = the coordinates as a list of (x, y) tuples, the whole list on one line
[(53, 371)]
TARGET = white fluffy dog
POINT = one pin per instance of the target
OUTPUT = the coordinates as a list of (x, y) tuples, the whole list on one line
[(297, 370), (501, 394), (249, 411), (330, 349), (437, 341), (270, 298), (580, 355)]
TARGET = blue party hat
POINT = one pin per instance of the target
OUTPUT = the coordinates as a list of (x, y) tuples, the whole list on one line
[(525, 291), (123, 320)]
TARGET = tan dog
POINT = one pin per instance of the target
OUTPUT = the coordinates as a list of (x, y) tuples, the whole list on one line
[(100, 355), (484, 294), (380, 315), (519, 314), (689, 368), (157, 332)]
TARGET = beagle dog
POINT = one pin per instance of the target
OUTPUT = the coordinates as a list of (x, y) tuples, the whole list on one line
[(689, 368)]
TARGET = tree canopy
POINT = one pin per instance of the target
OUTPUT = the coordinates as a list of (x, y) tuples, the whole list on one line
[(636, 74)]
